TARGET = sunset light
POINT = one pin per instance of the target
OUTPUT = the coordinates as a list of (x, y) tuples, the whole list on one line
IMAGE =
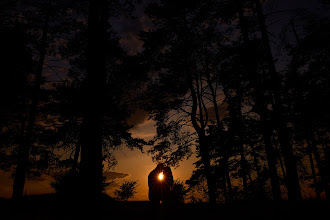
[(165, 109), (161, 176)]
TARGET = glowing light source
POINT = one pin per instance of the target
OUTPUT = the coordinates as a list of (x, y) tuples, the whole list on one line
[(161, 176)]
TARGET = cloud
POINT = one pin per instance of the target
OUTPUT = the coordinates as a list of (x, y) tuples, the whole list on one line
[(38, 178), (112, 185), (112, 176), (145, 130), (138, 117), (109, 175)]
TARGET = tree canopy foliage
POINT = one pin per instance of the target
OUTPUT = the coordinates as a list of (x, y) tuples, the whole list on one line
[(250, 100)]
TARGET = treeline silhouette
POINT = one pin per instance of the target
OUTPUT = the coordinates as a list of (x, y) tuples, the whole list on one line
[(63, 87), (260, 126), (207, 74)]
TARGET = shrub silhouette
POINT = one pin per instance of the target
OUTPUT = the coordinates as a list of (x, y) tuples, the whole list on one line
[(179, 192), (126, 190)]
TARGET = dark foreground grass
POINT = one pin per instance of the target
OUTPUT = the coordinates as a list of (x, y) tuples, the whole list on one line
[(50, 208)]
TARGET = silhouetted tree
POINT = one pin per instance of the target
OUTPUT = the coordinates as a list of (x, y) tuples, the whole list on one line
[(24, 148), (126, 190), (258, 84), (173, 50), (279, 112), (33, 152), (179, 192), (307, 81), (104, 74), (17, 66)]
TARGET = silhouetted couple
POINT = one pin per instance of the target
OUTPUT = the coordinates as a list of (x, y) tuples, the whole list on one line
[(160, 182)]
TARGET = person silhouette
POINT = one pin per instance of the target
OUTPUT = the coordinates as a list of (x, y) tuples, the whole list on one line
[(160, 182)]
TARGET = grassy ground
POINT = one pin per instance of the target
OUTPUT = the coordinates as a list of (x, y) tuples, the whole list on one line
[(51, 208)]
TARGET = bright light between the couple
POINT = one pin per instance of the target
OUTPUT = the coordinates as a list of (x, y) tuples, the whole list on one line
[(161, 176)]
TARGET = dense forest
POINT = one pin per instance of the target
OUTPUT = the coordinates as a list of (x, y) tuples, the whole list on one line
[(239, 83)]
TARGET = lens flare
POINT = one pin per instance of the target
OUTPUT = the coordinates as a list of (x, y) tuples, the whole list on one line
[(161, 176)]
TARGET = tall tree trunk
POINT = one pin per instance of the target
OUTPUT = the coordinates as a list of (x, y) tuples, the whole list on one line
[(310, 149), (227, 174), (229, 195), (25, 145), (326, 150), (311, 161), (207, 169), (238, 128), (251, 67), (76, 155), (283, 131), (205, 155), (234, 106), (261, 193), (271, 160), (200, 129), (311, 140), (317, 157), (244, 171), (91, 141), (282, 169)]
